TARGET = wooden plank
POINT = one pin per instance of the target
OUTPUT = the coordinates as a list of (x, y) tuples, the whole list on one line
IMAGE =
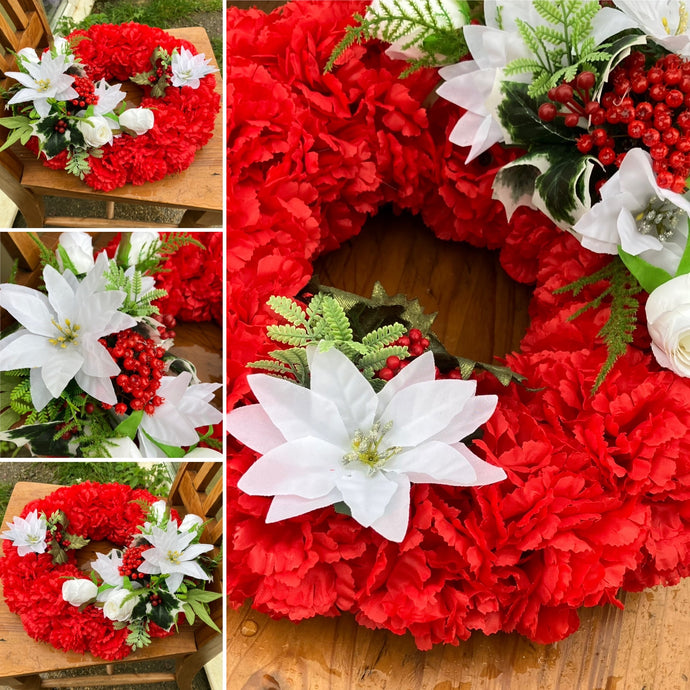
[(16, 13), (109, 681)]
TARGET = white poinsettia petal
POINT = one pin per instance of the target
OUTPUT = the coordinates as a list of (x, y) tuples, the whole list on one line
[(307, 467), (485, 471), (394, 522), (97, 360), (96, 314), (168, 426), (253, 427), (335, 377), (60, 294), (420, 370), (475, 412), (98, 387), (367, 496), (194, 407), (61, 371), (631, 239), (147, 448), (30, 307), (433, 463), (40, 395), (24, 350), (298, 412), (284, 507), (424, 410)]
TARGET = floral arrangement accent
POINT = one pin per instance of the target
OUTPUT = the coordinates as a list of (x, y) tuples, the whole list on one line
[(597, 480), (89, 369), (137, 591), (596, 98), (67, 108)]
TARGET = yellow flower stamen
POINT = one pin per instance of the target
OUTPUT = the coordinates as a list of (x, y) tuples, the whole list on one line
[(682, 21), (69, 334), (174, 557), (365, 448)]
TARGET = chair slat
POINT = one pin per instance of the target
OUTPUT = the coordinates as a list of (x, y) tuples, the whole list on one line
[(204, 476), (214, 500), (8, 37), (16, 13)]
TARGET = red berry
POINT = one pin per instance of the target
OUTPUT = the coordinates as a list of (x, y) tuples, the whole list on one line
[(393, 362), (607, 155), (674, 98), (415, 334), (655, 75), (676, 160), (683, 120), (386, 374), (651, 137), (670, 136), (563, 93), (89, 408), (585, 143), (416, 350), (657, 92), (571, 120), (599, 136), (664, 179), (662, 121), (672, 76), (658, 151), (120, 408), (585, 80), (105, 406), (636, 128), (644, 111), (639, 84)]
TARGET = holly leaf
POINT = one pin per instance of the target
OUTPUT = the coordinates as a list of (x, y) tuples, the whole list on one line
[(161, 616), (76, 541), (142, 78)]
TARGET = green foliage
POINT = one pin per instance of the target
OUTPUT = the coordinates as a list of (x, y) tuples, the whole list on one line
[(427, 25), (47, 257), (561, 50), (78, 163), (617, 332), (137, 303), (325, 324), (5, 491), (152, 259), (154, 478), (138, 634), (21, 130)]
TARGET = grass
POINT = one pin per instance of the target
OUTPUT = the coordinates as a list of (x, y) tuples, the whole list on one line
[(154, 478), (163, 14)]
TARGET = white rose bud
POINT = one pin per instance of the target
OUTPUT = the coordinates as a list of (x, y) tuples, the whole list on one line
[(668, 321), (96, 131), (139, 120), (190, 522), (116, 608), (157, 509), (79, 249), (78, 592), (140, 244)]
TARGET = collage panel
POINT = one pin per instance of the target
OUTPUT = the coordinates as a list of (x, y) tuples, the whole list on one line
[(111, 574), (459, 344), (112, 345)]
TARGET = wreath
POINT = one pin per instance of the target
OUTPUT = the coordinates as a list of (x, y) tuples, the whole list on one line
[(596, 493), (57, 601), (160, 137)]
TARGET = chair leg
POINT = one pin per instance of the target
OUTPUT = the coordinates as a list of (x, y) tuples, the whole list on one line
[(201, 219), (110, 210), (187, 667), (32, 682)]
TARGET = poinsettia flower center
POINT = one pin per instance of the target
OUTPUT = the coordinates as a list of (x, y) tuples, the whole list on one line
[(366, 447), (68, 333), (682, 21), (659, 217), (174, 557), (42, 85)]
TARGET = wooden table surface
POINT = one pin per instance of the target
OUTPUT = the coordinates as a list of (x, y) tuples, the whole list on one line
[(482, 313)]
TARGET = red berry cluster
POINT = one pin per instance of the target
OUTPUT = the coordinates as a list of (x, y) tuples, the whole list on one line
[(60, 126), (55, 533), (649, 108), (141, 363), (131, 560), (416, 345), (86, 93), (166, 330), (159, 72), (155, 599)]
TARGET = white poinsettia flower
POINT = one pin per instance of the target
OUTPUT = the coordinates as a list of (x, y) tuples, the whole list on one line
[(188, 69), (173, 554), (43, 80), (109, 97), (79, 249), (665, 21), (637, 215), (108, 567), (341, 441), (27, 534), (184, 408), (59, 338), (668, 321)]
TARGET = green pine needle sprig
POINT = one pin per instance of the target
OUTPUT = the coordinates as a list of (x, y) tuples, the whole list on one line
[(617, 332)]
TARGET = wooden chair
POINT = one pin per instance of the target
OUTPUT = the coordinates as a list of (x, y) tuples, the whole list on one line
[(198, 190), (197, 489)]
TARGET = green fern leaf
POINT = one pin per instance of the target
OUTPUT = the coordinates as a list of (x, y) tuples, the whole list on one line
[(289, 310), (289, 335)]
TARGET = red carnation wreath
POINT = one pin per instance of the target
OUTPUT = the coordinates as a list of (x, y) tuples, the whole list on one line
[(598, 490), (184, 116), (32, 584)]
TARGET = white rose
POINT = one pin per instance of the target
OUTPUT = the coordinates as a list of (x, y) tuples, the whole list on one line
[(116, 608), (157, 509), (96, 131), (140, 244), (78, 592), (79, 249), (139, 120), (190, 522), (668, 321), (29, 55), (122, 447)]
